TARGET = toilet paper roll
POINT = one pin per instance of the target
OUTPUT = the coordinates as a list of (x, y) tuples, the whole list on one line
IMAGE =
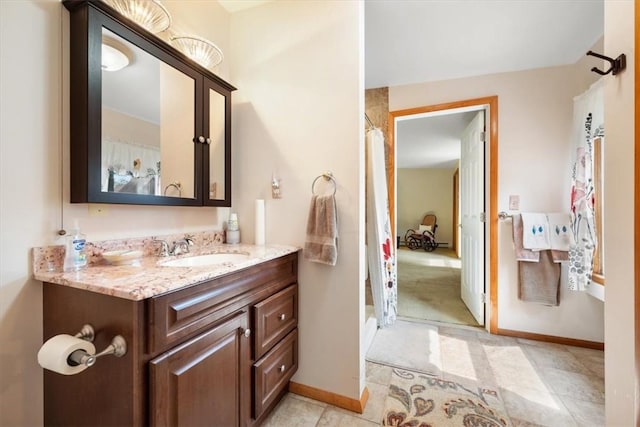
[(54, 353), (259, 222)]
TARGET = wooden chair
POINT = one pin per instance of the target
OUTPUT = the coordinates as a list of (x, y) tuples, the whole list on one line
[(425, 236)]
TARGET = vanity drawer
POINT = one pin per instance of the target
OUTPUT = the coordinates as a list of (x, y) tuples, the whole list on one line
[(275, 317), (177, 316), (271, 374)]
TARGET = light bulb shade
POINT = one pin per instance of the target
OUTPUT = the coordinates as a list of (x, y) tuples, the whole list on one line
[(113, 59), (198, 49), (149, 14)]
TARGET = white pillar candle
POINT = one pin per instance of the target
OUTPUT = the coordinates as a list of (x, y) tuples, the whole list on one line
[(259, 227)]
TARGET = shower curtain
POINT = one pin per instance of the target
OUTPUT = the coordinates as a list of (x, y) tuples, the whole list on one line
[(588, 122), (380, 247)]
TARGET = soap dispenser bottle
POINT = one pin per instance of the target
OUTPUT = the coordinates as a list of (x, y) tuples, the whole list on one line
[(75, 255), (233, 232)]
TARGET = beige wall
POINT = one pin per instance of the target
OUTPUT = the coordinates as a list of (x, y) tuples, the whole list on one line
[(422, 191), (298, 114), (117, 126), (534, 152), (621, 377)]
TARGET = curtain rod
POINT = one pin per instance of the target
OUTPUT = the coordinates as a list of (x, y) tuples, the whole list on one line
[(369, 120)]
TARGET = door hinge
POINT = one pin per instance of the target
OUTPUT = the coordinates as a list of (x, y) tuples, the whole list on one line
[(483, 217), (483, 136), (483, 298)]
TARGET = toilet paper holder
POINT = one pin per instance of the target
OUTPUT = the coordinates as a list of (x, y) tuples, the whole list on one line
[(118, 348)]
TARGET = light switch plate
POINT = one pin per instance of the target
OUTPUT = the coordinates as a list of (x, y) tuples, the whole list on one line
[(514, 202)]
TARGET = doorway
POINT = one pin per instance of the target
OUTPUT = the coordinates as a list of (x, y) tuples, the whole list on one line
[(485, 282)]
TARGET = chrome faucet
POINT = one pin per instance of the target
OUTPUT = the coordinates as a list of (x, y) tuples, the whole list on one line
[(164, 247), (181, 246)]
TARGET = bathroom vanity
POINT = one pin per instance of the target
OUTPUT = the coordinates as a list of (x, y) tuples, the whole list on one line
[(217, 352)]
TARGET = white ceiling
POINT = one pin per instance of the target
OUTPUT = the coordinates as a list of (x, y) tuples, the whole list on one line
[(416, 41)]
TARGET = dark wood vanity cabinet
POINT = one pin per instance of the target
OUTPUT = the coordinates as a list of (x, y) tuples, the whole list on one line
[(218, 353)]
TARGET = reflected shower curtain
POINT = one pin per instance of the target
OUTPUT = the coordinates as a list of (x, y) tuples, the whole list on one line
[(588, 122), (381, 249)]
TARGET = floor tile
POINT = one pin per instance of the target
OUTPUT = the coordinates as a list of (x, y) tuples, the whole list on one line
[(377, 373), (574, 385), (555, 357), (332, 417), (469, 366), (536, 407), (292, 412), (375, 405), (586, 414)]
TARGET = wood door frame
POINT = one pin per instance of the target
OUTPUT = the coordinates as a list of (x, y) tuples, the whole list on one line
[(491, 165), (456, 195), (636, 191)]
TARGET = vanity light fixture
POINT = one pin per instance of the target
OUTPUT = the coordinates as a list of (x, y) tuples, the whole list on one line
[(115, 55), (113, 59), (150, 14), (198, 49)]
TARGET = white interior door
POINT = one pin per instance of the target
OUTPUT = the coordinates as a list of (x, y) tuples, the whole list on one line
[(471, 211)]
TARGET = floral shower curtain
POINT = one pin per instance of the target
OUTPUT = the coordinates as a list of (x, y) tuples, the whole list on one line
[(380, 247), (588, 120)]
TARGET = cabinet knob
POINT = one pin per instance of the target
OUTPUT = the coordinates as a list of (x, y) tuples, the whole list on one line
[(282, 368), (282, 316), (201, 139), (247, 333), (208, 141)]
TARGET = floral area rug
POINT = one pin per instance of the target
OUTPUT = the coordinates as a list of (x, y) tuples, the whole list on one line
[(419, 400)]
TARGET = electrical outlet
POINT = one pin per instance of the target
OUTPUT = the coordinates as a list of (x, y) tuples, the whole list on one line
[(98, 210), (514, 202)]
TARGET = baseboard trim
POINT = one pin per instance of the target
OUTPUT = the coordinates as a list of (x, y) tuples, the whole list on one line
[(334, 399), (552, 339)]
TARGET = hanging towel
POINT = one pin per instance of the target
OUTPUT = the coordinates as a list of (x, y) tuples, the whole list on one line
[(535, 231), (322, 231), (522, 254), (539, 281), (560, 234)]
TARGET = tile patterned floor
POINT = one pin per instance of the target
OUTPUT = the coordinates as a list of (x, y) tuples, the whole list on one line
[(541, 384)]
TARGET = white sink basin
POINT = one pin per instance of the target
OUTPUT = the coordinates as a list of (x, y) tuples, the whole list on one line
[(204, 260)]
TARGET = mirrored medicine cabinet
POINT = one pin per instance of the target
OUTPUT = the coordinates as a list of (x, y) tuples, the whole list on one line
[(153, 129)]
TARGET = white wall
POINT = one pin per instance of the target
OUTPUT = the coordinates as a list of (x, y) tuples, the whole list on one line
[(621, 378), (32, 129), (535, 121), (422, 191), (299, 111)]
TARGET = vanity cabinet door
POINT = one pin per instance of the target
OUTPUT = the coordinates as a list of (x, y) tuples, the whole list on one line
[(205, 381), (217, 152)]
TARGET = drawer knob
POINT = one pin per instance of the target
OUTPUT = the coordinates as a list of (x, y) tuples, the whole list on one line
[(282, 368), (282, 316), (247, 333)]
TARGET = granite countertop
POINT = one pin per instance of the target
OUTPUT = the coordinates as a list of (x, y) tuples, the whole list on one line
[(147, 277)]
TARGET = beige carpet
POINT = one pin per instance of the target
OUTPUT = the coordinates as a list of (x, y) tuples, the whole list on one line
[(420, 400), (407, 345), (429, 286)]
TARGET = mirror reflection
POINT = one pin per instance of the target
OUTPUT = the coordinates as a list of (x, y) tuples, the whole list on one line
[(148, 111), (217, 145)]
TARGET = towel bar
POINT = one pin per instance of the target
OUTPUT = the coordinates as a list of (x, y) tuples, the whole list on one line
[(327, 176), (503, 215)]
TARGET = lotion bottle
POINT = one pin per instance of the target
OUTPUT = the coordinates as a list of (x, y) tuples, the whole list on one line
[(75, 255)]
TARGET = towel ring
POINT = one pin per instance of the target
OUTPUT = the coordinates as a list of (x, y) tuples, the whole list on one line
[(327, 176)]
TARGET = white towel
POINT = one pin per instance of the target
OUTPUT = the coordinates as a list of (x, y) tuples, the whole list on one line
[(535, 231), (560, 234)]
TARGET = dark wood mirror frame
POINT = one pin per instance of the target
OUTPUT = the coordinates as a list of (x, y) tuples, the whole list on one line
[(87, 19)]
